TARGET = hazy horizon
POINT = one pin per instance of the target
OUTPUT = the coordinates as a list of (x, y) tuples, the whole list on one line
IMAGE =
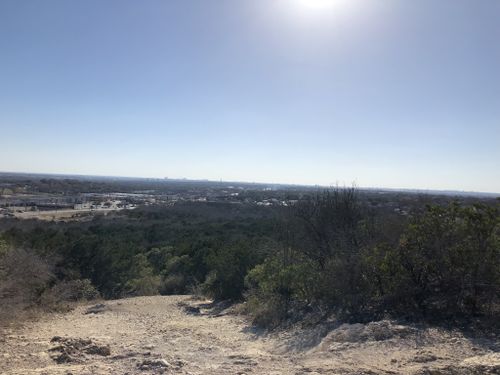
[(386, 94), (194, 179)]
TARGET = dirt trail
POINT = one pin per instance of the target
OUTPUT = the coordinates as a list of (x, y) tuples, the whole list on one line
[(176, 335)]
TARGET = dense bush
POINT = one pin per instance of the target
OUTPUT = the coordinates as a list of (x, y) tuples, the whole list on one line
[(228, 266), (446, 263), (332, 252), (173, 284), (55, 298), (24, 276), (28, 280), (75, 290), (319, 260), (156, 250), (142, 280)]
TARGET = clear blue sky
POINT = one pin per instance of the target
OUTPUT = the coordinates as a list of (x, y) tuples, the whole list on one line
[(382, 93)]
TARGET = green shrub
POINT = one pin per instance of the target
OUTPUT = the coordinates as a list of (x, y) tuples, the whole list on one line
[(446, 263), (173, 284), (295, 281), (266, 313), (75, 290), (144, 286), (229, 264), (57, 297), (142, 281)]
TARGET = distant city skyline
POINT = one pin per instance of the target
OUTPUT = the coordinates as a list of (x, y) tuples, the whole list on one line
[(384, 94), (321, 186)]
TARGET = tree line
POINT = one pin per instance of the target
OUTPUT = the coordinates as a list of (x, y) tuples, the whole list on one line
[(331, 252)]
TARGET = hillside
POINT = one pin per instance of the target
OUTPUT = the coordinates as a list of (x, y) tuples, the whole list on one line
[(179, 335)]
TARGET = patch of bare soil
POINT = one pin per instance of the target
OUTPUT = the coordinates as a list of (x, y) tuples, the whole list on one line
[(177, 335)]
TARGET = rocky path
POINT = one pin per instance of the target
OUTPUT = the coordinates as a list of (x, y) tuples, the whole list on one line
[(176, 335)]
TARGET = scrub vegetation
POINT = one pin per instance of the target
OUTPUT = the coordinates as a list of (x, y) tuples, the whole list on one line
[(331, 252)]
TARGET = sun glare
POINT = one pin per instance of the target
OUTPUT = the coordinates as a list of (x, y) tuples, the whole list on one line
[(319, 4)]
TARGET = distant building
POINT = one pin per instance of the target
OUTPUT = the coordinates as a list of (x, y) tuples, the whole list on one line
[(82, 206)]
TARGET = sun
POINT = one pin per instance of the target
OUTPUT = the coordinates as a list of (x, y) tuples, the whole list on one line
[(319, 4)]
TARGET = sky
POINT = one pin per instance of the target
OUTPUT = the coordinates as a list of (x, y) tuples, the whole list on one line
[(380, 93)]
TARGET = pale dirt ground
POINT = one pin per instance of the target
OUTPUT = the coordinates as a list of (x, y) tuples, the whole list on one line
[(138, 330), (61, 215)]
